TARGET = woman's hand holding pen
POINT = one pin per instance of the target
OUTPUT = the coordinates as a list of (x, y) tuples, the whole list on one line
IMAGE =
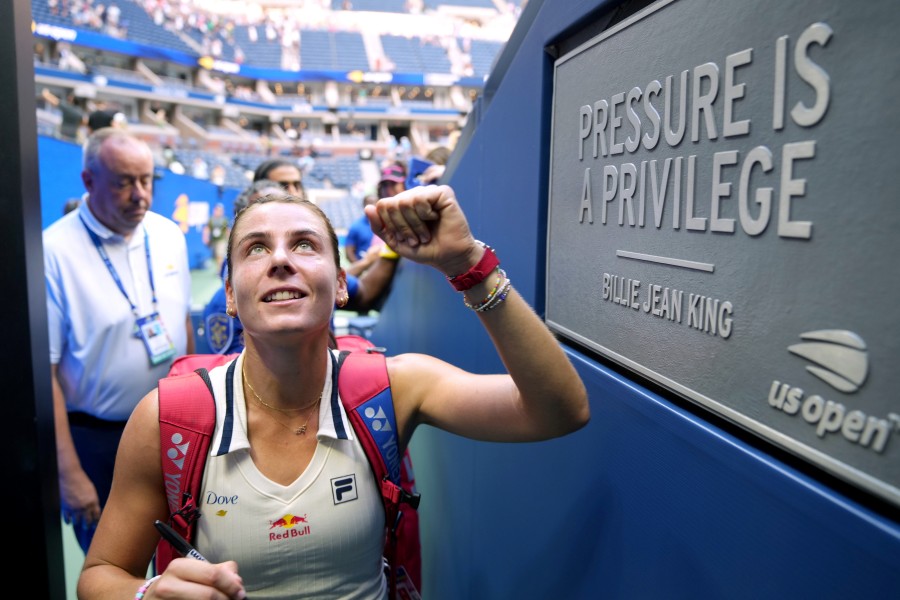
[(189, 578), (194, 571)]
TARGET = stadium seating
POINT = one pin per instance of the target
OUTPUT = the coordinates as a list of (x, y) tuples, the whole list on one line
[(397, 6), (186, 111), (483, 55), (332, 51), (262, 52), (434, 4), (341, 171), (342, 211), (134, 21), (402, 53)]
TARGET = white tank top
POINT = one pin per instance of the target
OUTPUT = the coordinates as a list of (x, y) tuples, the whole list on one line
[(319, 537)]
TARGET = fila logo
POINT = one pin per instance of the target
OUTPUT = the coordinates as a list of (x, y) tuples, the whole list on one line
[(343, 489), (178, 451)]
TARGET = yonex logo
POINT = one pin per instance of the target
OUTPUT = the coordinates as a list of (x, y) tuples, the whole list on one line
[(178, 449), (378, 421), (840, 358), (343, 489), (176, 453)]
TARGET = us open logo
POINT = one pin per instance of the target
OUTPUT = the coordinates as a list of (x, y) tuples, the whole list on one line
[(840, 359)]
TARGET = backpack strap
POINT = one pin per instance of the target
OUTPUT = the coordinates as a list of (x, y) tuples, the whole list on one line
[(365, 391), (187, 418)]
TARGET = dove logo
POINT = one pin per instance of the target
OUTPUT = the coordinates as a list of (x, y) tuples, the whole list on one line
[(175, 453), (839, 358)]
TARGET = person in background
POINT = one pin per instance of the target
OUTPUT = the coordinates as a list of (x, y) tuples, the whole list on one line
[(217, 175), (289, 438), (215, 234), (439, 157), (359, 234), (101, 118), (257, 189), (378, 265), (369, 286), (306, 162), (199, 168), (114, 273), (72, 114), (393, 180), (285, 172)]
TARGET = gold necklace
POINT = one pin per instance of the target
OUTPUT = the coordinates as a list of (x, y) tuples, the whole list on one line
[(297, 431)]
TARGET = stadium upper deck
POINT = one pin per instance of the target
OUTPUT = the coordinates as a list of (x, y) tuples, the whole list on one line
[(278, 74)]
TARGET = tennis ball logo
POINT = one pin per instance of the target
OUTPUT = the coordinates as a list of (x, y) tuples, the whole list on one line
[(839, 358)]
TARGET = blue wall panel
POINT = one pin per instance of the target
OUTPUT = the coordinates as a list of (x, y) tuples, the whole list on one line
[(647, 501)]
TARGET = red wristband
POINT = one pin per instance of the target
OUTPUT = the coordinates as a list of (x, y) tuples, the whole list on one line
[(478, 273)]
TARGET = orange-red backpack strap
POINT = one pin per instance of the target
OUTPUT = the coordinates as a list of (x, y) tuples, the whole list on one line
[(187, 418), (365, 391)]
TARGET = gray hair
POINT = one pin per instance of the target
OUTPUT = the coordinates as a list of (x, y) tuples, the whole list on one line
[(92, 146)]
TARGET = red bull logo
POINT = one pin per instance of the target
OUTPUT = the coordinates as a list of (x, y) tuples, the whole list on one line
[(289, 526)]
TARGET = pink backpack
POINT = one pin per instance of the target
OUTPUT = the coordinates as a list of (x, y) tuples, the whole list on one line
[(187, 419)]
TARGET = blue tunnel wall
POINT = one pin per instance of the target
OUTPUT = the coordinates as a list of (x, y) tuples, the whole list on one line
[(651, 499)]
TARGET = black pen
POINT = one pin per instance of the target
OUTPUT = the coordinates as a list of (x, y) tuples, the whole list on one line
[(180, 544)]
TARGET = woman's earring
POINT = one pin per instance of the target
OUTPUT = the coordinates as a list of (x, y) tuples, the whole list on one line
[(230, 312)]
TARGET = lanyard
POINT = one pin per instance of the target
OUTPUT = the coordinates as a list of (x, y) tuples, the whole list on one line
[(98, 244)]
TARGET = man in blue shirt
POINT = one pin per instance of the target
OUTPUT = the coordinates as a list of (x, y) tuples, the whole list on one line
[(359, 234), (118, 306)]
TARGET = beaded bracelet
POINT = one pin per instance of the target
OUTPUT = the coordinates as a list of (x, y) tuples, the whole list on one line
[(143, 589), (482, 269), (496, 296), (498, 299)]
